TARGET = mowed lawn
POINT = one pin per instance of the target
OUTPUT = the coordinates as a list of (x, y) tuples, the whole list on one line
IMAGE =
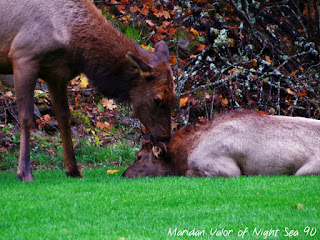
[(102, 206)]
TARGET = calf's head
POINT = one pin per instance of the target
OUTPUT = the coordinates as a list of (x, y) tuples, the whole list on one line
[(153, 96), (150, 162)]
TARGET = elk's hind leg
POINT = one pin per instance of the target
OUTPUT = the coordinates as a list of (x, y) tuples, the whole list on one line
[(25, 76), (310, 168), (58, 94)]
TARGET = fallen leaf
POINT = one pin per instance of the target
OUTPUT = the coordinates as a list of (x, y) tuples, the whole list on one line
[(46, 117), (145, 10), (112, 171), (173, 60), (8, 94), (151, 24), (183, 101), (104, 125), (195, 32), (291, 92), (293, 74), (303, 93), (268, 59), (299, 206), (38, 92), (224, 102), (84, 82), (166, 14), (108, 104), (201, 47), (254, 62)]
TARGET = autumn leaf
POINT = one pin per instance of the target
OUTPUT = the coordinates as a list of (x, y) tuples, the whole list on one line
[(183, 101), (195, 32), (224, 102), (134, 9), (112, 171), (108, 104), (145, 10), (254, 62), (289, 91), (8, 94), (173, 60), (172, 31), (104, 125), (84, 82), (293, 73), (46, 118), (38, 92), (268, 59), (151, 24), (166, 14), (303, 93), (299, 206), (201, 47)]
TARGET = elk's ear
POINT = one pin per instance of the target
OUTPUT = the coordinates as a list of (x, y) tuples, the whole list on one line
[(161, 50), (139, 64), (159, 150)]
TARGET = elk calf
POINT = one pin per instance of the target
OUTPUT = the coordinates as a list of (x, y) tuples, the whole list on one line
[(56, 41), (234, 144)]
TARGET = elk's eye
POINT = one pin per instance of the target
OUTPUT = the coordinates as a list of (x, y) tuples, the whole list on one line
[(157, 101), (138, 158)]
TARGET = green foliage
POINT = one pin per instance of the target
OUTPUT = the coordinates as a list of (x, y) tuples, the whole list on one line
[(102, 206), (80, 117), (122, 152), (47, 153)]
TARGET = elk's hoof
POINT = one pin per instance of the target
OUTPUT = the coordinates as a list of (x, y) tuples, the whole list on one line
[(25, 177), (74, 175)]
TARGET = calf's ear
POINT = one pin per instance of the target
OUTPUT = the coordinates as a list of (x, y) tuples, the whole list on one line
[(159, 149), (161, 50), (139, 64)]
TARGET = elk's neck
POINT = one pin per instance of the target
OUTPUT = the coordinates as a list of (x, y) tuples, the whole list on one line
[(101, 51), (181, 146)]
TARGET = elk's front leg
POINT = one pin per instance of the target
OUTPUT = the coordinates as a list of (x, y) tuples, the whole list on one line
[(58, 94), (25, 76)]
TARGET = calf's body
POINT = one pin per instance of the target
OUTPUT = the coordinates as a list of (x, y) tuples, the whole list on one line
[(56, 41), (234, 144)]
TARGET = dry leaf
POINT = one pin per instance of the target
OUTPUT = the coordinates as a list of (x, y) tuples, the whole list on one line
[(291, 92), (183, 101), (195, 32), (145, 10), (173, 60), (112, 171), (224, 102), (166, 14), (201, 47), (268, 59), (84, 82), (254, 62), (108, 104), (151, 24), (38, 92), (46, 117), (104, 125), (292, 74), (8, 94)]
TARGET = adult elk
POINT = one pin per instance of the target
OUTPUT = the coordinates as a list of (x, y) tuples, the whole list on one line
[(234, 144), (57, 40)]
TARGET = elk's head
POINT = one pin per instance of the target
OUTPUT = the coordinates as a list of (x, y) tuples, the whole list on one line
[(153, 96), (150, 162)]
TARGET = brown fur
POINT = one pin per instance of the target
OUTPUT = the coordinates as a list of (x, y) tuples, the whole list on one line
[(56, 41), (236, 143)]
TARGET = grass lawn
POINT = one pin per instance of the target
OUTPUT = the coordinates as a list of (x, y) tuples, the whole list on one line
[(102, 206)]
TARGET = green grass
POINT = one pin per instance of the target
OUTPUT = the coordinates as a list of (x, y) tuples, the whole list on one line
[(102, 206)]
